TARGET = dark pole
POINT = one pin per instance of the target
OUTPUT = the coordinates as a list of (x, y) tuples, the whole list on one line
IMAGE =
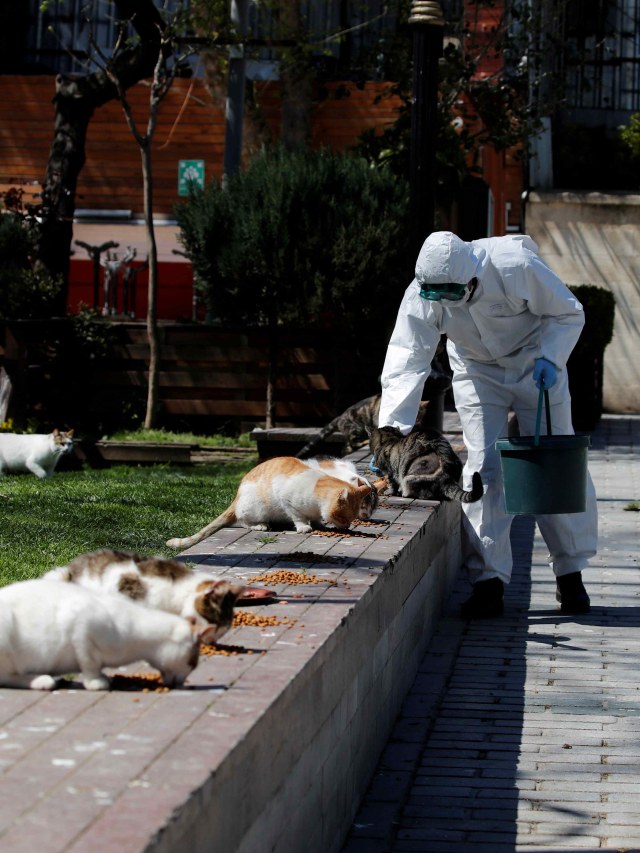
[(427, 22), (234, 112)]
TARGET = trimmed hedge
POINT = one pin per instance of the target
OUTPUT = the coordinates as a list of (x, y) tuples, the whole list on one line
[(586, 363)]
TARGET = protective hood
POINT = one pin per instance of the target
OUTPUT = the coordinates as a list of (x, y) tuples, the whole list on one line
[(444, 258)]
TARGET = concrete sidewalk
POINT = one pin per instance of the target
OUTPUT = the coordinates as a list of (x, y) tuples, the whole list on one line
[(523, 733)]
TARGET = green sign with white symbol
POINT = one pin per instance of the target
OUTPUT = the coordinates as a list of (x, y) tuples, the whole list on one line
[(190, 172)]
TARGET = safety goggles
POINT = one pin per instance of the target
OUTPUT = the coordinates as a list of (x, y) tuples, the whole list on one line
[(436, 292)]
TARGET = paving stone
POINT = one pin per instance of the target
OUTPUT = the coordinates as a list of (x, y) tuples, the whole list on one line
[(559, 694)]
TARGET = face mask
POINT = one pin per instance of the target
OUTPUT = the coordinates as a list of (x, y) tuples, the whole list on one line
[(450, 303)]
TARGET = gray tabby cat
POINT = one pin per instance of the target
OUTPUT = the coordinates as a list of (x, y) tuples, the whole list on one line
[(354, 424), (421, 465), (356, 421)]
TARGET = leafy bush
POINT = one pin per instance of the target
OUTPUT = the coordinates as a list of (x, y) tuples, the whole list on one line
[(630, 135), (300, 238), (599, 313)]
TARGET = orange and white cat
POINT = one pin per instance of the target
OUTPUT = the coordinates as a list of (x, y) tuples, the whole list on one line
[(344, 469), (286, 490)]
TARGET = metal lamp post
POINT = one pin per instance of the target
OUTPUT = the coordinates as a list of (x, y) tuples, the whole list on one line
[(427, 21)]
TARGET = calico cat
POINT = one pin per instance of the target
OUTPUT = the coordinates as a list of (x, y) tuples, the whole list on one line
[(285, 489), (356, 421), (49, 628), (344, 469), (421, 465), (158, 583), (34, 452)]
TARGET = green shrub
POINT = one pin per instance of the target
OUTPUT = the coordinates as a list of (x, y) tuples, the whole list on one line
[(300, 238), (599, 312), (586, 363)]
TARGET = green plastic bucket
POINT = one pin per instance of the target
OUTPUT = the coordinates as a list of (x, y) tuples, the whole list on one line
[(544, 475)]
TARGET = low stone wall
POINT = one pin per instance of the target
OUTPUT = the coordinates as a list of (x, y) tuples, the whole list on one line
[(593, 238), (295, 778)]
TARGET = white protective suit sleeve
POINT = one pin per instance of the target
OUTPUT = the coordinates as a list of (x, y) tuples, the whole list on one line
[(561, 314), (407, 364)]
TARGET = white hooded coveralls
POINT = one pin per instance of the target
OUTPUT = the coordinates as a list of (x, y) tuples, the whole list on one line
[(520, 311)]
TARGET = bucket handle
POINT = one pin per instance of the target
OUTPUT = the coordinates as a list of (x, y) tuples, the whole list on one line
[(543, 391)]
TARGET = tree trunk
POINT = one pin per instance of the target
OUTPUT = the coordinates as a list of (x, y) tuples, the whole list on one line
[(272, 369), (76, 99), (66, 159), (152, 291)]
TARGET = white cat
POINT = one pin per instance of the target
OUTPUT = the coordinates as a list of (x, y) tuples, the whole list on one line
[(34, 452), (156, 582), (49, 628)]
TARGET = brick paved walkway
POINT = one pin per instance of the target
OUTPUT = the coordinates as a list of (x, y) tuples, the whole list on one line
[(523, 733)]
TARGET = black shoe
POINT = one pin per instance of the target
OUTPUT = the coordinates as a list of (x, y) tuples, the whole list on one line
[(486, 600), (571, 594)]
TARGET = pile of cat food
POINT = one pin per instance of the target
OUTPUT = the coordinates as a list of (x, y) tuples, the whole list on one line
[(331, 532), (242, 617), (146, 682), (288, 576), (221, 649)]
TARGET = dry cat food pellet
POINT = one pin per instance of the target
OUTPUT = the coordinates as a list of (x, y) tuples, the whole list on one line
[(361, 523), (242, 617), (291, 577)]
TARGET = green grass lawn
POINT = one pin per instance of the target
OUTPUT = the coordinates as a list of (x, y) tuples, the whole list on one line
[(45, 523), (163, 435)]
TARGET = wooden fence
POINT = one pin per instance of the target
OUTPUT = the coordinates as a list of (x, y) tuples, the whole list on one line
[(210, 378)]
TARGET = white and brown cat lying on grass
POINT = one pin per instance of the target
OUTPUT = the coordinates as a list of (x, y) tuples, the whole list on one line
[(155, 582), (285, 490), (33, 452), (49, 628)]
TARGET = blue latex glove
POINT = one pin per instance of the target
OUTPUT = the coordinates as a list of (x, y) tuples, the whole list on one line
[(373, 468), (544, 373)]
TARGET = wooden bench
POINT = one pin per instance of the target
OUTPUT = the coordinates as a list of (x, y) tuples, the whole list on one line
[(288, 441)]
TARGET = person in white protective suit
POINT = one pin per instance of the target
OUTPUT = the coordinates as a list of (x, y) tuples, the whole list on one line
[(511, 325)]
